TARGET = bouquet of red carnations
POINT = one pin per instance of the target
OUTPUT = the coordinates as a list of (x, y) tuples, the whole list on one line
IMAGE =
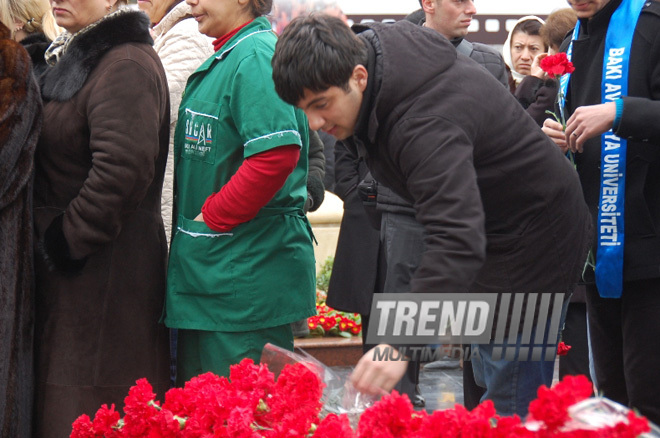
[(252, 403), (248, 404)]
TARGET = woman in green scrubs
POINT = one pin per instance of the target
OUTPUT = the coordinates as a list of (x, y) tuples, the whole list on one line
[(241, 265)]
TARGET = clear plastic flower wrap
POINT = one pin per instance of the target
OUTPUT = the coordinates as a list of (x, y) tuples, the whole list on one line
[(339, 394), (600, 412), (596, 414)]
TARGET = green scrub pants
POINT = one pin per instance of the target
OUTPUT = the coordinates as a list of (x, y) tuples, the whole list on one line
[(201, 351)]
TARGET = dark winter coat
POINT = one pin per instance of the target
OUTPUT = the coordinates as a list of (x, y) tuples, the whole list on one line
[(499, 202), (355, 272), (20, 122), (99, 172), (639, 125), (538, 96), (483, 55)]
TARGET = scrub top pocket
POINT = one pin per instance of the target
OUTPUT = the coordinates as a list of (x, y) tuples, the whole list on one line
[(203, 261)]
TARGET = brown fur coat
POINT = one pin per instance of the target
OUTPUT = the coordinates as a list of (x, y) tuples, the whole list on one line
[(20, 123)]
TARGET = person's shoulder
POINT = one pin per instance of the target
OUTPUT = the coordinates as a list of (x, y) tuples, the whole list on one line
[(648, 26), (255, 42), (486, 50), (132, 58), (14, 61), (652, 7), (416, 17)]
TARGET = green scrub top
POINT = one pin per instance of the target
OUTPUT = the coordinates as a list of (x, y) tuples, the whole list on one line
[(261, 274)]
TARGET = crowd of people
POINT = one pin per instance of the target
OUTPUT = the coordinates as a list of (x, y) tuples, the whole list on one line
[(156, 168)]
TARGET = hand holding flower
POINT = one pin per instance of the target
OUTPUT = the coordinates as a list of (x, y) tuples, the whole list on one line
[(555, 131), (588, 122), (556, 66)]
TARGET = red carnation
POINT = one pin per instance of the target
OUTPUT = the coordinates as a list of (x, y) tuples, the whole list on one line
[(334, 426), (389, 418), (551, 406), (562, 349), (82, 427), (557, 65), (104, 421)]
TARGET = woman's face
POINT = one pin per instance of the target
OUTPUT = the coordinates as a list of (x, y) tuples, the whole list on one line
[(73, 15), (524, 48), (155, 9), (216, 18)]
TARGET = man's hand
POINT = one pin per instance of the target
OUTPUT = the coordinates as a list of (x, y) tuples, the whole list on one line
[(377, 377), (199, 218), (554, 130), (588, 122)]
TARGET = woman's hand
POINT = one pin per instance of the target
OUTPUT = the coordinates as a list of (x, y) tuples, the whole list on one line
[(536, 67), (377, 377), (555, 131), (199, 218)]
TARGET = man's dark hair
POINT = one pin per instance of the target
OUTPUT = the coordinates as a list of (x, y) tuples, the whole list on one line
[(315, 52)]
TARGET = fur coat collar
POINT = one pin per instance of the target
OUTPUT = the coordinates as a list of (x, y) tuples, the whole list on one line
[(62, 81)]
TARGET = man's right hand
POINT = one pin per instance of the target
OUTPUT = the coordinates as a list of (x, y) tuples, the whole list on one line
[(555, 131)]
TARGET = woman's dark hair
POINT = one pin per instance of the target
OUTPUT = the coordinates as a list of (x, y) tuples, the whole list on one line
[(530, 27), (315, 52), (260, 7)]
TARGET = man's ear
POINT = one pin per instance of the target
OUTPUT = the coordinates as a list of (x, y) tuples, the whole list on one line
[(428, 6), (360, 76)]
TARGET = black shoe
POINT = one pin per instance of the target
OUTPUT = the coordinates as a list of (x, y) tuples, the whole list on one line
[(418, 399)]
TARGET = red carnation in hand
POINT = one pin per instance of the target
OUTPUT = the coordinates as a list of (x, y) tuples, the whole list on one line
[(562, 349), (557, 65)]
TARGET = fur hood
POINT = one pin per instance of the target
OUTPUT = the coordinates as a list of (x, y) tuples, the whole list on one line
[(62, 81)]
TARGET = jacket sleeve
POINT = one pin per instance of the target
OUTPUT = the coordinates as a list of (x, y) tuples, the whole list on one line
[(347, 169), (537, 96), (125, 112), (435, 158), (639, 119), (316, 173)]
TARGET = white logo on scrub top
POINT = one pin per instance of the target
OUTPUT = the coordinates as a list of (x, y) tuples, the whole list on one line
[(199, 133)]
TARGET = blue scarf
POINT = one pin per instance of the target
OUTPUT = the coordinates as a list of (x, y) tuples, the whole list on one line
[(614, 84)]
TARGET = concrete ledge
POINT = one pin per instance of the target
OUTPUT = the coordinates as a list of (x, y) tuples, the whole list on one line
[(330, 211), (333, 351)]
